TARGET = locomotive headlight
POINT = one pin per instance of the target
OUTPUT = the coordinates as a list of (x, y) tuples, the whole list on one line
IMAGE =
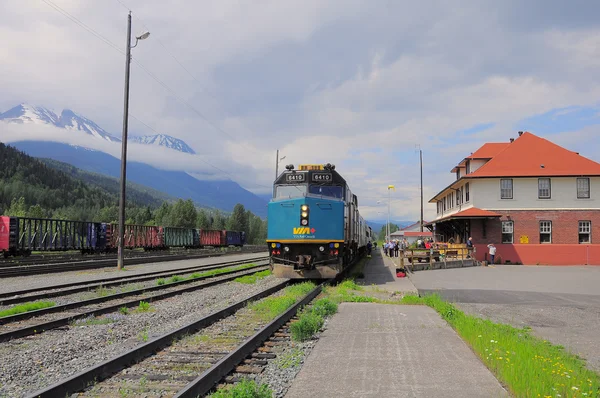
[(304, 208), (304, 222), (287, 249), (321, 249), (304, 214)]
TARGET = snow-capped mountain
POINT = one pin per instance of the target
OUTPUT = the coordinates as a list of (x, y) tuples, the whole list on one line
[(69, 120), (24, 113), (164, 140)]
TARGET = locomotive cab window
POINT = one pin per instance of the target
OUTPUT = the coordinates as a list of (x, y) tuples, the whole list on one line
[(327, 190), (290, 191)]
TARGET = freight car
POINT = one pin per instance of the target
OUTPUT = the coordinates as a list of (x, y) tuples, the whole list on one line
[(19, 236), (314, 227)]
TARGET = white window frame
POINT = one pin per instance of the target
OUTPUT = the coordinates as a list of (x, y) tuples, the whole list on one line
[(508, 228), (467, 193), (585, 228), (582, 190), (540, 189), (546, 229), (505, 191)]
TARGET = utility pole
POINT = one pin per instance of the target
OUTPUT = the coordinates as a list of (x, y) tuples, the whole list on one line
[(121, 237), (388, 223), (128, 46), (421, 159)]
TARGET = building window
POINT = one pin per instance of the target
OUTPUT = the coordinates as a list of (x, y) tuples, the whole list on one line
[(483, 229), (544, 191), (507, 231), (583, 188), (458, 197), (545, 231), (467, 192), (506, 189), (468, 167), (585, 232)]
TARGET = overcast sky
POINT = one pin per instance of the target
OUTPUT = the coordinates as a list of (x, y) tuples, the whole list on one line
[(350, 82)]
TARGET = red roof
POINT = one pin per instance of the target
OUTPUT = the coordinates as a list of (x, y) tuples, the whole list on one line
[(533, 156), (472, 212), (489, 150)]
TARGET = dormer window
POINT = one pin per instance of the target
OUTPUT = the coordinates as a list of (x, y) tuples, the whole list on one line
[(468, 165)]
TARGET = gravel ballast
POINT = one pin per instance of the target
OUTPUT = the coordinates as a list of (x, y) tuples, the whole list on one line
[(34, 362)]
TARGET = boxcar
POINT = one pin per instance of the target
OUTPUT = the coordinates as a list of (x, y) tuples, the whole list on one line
[(179, 237), (214, 238), (235, 238)]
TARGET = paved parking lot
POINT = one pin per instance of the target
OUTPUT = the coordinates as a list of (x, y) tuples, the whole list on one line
[(560, 304)]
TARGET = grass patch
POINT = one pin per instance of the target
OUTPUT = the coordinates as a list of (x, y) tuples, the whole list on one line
[(124, 310), (103, 292), (252, 279), (244, 389), (311, 321), (271, 307), (27, 307), (196, 275)]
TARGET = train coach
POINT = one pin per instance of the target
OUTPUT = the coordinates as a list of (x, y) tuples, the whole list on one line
[(19, 236), (314, 227)]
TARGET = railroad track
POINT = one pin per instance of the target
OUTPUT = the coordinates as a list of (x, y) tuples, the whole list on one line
[(183, 355), (34, 322), (21, 270), (44, 292)]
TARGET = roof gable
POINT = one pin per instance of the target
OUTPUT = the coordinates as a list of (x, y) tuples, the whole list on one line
[(532, 156)]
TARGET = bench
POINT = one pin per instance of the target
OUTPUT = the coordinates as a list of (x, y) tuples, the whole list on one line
[(452, 253)]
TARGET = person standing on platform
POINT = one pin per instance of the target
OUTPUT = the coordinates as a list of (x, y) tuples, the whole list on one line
[(492, 252), (396, 248)]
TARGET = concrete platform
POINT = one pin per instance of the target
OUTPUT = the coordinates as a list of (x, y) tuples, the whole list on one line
[(381, 272), (379, 350)]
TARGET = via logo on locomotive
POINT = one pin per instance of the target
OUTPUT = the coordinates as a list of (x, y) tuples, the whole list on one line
[(304, 231)]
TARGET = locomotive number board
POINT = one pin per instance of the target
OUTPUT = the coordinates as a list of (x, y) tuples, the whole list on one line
[(295, 177), (321, 177)]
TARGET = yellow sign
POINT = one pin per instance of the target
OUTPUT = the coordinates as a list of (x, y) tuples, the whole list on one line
[(303, 231), (310, 167), (524, 239)]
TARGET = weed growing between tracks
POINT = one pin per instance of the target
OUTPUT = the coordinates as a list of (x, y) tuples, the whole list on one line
[(27, 307), (252, 279), (527, 365), (269, 308), (310, 321), (196, 275), (244, 389)]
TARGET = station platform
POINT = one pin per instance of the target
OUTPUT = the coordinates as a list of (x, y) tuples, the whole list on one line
[(380, 272), (382, 350)]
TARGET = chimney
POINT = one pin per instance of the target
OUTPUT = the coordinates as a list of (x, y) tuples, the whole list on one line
[(520, 133), (512, 140)]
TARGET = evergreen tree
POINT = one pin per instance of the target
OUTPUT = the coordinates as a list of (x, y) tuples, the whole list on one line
[(238, 220), (219, 221), (17, 208), (203, 222)]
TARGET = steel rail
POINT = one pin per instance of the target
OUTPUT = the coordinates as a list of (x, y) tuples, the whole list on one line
[(19, 296), (101, 263), (41, 327), (207, 380), (107, 368)]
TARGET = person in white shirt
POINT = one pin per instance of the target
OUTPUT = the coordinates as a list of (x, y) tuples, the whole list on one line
[(492, 252)]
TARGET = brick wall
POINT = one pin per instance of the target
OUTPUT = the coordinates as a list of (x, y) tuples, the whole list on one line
[(564, 249), (565, 226)]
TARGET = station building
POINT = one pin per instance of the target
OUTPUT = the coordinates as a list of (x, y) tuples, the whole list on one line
[(537, 202), (412, 233)]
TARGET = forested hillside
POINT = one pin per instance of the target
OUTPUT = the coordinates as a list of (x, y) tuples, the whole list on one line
[(31, 188)]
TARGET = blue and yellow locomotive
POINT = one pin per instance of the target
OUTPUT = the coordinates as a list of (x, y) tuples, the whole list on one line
[(314, 227)]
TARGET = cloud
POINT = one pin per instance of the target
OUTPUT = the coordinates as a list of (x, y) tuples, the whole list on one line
[(351, 82)]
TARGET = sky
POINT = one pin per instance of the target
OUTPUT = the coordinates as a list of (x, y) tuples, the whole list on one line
[(359, 84)]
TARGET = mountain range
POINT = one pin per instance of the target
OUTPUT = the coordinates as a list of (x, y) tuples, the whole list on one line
[(222, 194), (69, 120)]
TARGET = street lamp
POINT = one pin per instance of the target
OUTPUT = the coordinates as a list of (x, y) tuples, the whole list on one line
[(390, 187), (277, 161), (128, 47)]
